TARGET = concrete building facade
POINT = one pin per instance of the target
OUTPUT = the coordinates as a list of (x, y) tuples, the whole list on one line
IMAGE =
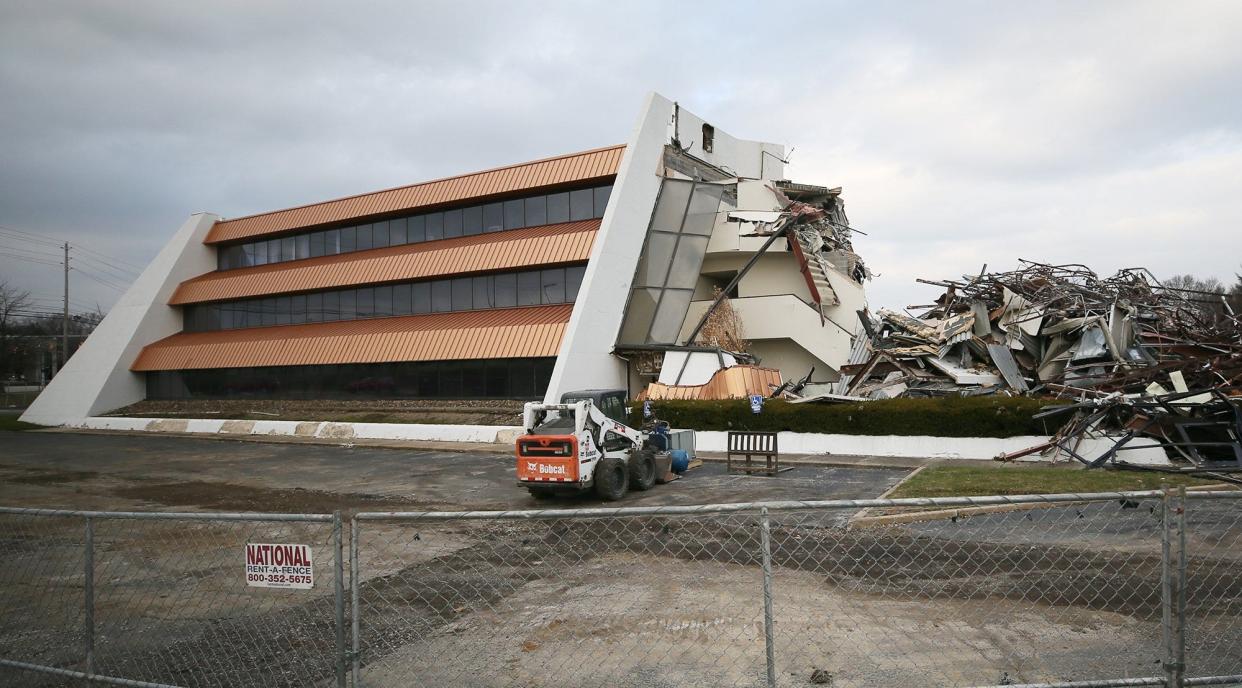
[(520, 282)]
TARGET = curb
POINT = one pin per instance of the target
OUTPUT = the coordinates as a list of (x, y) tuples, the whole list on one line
[(862, 521)]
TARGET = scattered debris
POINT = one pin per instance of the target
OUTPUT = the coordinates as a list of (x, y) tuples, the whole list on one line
[(1138, 358), (736, 382)]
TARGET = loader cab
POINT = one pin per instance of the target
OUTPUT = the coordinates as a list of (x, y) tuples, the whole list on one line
[(610, 402)]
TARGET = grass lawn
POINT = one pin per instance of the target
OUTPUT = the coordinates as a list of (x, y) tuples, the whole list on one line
[(1009, 479), (12, 424)]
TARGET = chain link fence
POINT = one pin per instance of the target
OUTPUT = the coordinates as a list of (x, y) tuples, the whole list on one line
[(1117, 589)]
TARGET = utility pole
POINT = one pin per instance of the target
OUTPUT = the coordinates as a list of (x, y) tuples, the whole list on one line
[(64, 329)]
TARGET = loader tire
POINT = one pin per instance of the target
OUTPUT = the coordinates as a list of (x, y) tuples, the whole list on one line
[(612, 479), (642, 470)]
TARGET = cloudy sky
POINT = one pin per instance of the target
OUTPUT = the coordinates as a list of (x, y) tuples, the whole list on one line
[(963, 133)]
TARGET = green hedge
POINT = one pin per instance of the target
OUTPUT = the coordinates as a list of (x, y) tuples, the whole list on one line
[(988, 416)]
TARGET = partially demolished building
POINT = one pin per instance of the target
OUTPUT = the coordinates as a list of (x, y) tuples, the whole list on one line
[(1140, 363), (671, 258)]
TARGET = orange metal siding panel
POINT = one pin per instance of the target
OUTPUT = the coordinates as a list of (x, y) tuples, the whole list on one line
[(531, 247), (583, 166)]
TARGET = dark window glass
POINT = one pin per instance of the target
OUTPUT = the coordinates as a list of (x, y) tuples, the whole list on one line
[(441, 296), (349, 239), (536, 211), (521, 378), (472, 220), (463, 294), (558, 208), (254, 313), (452, 223), (483, 292), (331, 306), (573, 281), (247, 255), (581, 204), (493, 217), (260, 253), (314, 307), (505, 288), (238, 256), (303, 246), (435, 226), (365, 302), (417, 229), (364, 240), (298, 309), (273, 251), (284, 310), (601, 199), (349, 304), (383, 302), (528, 284), (515, 214), (226, 316), (269, 311), (316, 244), (543, 375), (428, 380), (497, 379), (450, 380), (397, 232), (473, 379), (420, 297), (380, 234), (401, 303), (289, 248), (553, 287), (332, 242)]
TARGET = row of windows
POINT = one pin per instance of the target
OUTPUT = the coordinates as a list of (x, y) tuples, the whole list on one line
[(502, 290), (509, 378), (546, 209)]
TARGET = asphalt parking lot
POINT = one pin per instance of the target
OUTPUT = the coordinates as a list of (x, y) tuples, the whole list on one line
[(118, 472)]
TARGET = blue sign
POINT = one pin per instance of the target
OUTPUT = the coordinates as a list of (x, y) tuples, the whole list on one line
[(756, 403), (647, 408)]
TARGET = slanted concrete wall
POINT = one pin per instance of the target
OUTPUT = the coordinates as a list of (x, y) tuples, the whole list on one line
[(97, 378)]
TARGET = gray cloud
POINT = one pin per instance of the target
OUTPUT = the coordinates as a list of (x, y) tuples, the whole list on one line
[(1105, 133)]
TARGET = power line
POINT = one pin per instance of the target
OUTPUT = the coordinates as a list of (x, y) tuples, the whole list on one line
[(104, 255), (110, 285), (27, 258)]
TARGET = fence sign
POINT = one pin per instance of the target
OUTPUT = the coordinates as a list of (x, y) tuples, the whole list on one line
[(756, 403), (279, 566)]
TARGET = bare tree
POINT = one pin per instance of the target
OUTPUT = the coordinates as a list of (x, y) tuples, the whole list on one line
[(1204, 295), (12, 302)]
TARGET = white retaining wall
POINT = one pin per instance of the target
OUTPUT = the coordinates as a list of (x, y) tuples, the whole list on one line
[(980, 448)]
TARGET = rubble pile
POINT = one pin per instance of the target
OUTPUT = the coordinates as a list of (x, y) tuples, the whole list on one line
[(1139, 358)]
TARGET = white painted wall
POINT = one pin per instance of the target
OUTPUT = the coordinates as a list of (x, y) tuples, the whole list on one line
[(585, 359), (97, 378)]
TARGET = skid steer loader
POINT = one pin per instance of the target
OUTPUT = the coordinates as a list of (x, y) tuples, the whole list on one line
[(583, 444)]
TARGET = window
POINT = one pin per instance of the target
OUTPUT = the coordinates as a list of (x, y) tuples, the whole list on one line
[(397, 231), (380, 234), (289, 248), (435, 226), (260, 253), (364, 240), (515, 212), (417, 229), (483, 292), (463, 294), (284, 310), (573, 281), (420, 297), (553, 285), (349, 304), (536, 211), (601, 199), (493, 217), (581, 205), (316, 244), (303, 246), (331, 306), (364, 302), (268, 307), (298, 309), (709, 137), (383, 302), (558, 208), (528, 287), (401, 303), (332, 242), (441, 296), (314, 307), (505, 290), (349, 239), (472, 220), (452, 224), (273, 251)]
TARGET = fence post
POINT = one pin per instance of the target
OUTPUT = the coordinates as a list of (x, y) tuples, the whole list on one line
[(1173, 586), (765, 540), (354, 607), (339, 597), (88, 571)]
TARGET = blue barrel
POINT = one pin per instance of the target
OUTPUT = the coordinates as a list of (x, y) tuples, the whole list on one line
[(680, 459)]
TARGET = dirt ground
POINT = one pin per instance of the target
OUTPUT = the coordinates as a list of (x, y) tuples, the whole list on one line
[(1058, 594)]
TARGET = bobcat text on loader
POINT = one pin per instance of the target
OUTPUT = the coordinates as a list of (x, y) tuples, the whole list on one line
[(582, 444)]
